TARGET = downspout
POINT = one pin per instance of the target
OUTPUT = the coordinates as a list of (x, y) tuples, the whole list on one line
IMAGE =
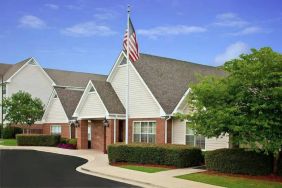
[(166, 119)]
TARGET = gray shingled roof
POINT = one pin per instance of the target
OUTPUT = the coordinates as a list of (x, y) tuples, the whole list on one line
[(4, 68), (109, 97), (14, 68), (69, 99), (168, 79), (74, 79)]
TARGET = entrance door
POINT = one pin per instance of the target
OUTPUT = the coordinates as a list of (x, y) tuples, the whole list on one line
[(121, 130), (72, 128)]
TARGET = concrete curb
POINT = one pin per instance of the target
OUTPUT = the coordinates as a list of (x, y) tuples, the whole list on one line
[(120, 178)]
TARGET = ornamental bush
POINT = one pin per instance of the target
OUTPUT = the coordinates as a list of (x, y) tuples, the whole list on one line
[(239, 161), (37, 140), (9, 132), (180, 156)]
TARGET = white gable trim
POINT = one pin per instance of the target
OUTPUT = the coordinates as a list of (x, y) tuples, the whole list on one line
[(181, 101), (83, 98), (48, 107), (110, 76), (36, 64), (122, 54)]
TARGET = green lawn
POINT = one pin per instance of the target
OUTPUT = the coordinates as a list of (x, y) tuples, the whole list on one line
[(8, 142), (147, 169), (230, 182)]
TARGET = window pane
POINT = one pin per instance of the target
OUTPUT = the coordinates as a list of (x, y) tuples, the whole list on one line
[(190, 140), (56, 129), (188, 130), (136, 137), (151, 138), (137, 127), (144, 138), (144, 127), (200, 141)]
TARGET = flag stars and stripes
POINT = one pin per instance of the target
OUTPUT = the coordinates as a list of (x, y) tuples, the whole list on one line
[(133, 44)]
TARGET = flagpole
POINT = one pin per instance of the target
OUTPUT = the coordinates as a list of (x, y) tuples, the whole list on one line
[(127, 90)]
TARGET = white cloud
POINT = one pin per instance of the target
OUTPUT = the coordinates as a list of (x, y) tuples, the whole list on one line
[(230, 20), (88, 29), (33, 22), (232, 51), (248, 30), (170, 30), (105, 14), (52, 6)]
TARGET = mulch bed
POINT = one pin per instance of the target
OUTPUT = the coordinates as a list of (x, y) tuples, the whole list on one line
[(274, 178), (143, 165)]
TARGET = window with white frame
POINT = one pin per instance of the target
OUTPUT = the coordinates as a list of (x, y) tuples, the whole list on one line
[(56, 129), (144, 131), (194, 140)]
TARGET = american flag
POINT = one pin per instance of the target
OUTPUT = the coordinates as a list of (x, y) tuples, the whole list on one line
[(133, 45)]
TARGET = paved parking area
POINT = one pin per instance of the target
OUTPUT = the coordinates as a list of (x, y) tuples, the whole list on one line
[(30, 168)]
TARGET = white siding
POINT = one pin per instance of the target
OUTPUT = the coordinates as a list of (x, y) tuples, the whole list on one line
[(55, 112), (178, 130), (141, 102), (92, 107), (32, 80), (217, 143)]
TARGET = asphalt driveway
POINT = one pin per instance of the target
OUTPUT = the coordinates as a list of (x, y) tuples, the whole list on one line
[(28, 168)]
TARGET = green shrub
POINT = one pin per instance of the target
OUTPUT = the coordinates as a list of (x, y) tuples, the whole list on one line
[(9, 132), (63, 140), (72, 141), (37, 140), (279, 166), (239, 161), (171, 155)]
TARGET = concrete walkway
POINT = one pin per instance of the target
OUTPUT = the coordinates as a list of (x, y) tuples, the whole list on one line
[(97, 165)]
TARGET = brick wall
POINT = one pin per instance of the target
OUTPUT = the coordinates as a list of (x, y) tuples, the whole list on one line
[(65, 129), (160, 129), (82, 136)]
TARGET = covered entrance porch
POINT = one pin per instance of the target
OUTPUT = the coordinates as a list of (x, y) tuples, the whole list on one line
[(98, 133)]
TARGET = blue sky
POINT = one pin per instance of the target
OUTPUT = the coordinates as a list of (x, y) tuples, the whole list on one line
[(86, 35)]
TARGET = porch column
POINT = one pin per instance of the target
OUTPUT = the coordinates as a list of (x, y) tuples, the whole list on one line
[(82, 135)]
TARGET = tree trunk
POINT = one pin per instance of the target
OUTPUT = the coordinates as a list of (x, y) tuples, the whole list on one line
[(275, 162)]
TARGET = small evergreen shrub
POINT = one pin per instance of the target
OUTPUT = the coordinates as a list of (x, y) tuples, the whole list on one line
[(180, 156), (37, 140), (239, 161), (9, 132)]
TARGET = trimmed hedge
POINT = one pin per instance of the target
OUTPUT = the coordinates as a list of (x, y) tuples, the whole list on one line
[(9, 132), (239, 161), (37, 140), (171, 155)]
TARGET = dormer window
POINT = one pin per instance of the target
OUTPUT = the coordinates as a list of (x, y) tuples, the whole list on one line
[(55, 96), (92, 90)]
